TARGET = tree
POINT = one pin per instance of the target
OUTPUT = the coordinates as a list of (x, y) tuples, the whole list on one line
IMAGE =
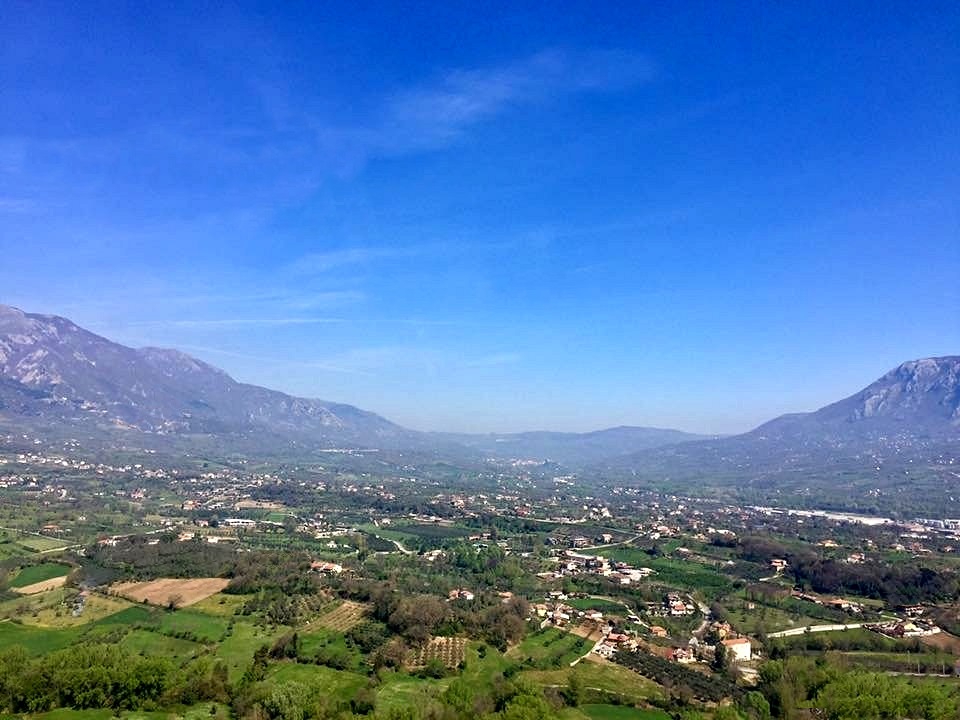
[(364, 702), (756, 706), (392, 655), (288, 701), (416, 617), (573, 693), (720, 661)]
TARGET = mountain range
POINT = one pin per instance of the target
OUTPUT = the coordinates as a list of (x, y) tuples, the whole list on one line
[(59, 380), (894, 444)]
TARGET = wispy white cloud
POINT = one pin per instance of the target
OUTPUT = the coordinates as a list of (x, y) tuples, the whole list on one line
[(253, 166), (434, 114), (318, 263)]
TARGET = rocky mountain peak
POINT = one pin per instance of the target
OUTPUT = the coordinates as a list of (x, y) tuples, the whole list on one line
[(925, 390)]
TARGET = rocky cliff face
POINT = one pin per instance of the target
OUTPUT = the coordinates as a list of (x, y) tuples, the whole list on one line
[(52, 369)]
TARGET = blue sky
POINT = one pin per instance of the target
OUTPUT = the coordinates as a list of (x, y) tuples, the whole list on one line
[(534, 216)]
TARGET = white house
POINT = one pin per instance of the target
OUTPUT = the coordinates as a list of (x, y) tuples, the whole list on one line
[(738, 649)]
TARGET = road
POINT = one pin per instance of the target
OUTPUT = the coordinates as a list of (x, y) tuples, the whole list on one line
[(814, 628), (400, 547), (60, 549), (705, 611), (397, 544), (587, 653), (616, 544)]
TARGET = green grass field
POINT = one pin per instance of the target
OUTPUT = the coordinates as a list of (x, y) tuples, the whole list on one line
[(621, 712), (41, 544), (682, 574), (482, 670), (194, 712), (39, 573), (414, 533), (329, 643), (338, 683), (399, 691), (206, 628), (550, 648), (36, 640), (765, 619), (53, 608), (151, 644), (133, 615), (10, 549), (222, 604), (605, 606), (238, 647), (203, 627), (606, 677)]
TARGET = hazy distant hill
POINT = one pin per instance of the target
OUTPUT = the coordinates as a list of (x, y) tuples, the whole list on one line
[(572, 449), (58, 378)]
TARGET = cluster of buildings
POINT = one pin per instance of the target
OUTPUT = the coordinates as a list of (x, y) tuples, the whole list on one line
[(571, 563), (326, 568), (847, 606), (673, 605), (614, 642), (900, 629)]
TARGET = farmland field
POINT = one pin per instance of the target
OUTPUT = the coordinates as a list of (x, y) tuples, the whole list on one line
[(448, 650), (132, 615), (10, 549), (433, 534), (42, 586), (187, 623), (764, 618), (165, 590), (344, 616), (40, 543), (54, 609), (944, 641), (39, 573)]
